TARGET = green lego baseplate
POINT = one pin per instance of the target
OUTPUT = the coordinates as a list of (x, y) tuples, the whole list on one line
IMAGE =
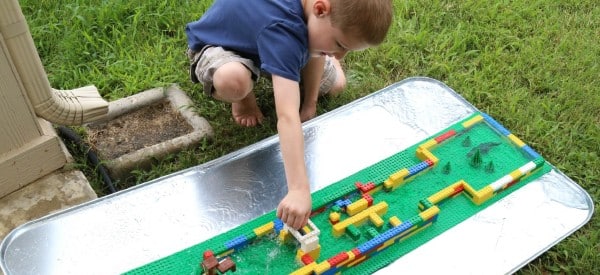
[(417, 193)]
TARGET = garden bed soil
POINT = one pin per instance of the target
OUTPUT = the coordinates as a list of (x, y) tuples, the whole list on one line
[(138, 129)]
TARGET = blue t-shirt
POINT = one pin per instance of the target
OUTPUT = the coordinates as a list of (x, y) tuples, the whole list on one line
[(272, 33)]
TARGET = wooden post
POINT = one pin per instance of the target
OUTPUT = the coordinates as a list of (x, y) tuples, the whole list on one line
[(28, 150), (29, 146)]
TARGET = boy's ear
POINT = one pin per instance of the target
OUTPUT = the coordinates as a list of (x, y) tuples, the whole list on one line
[(321, 8)]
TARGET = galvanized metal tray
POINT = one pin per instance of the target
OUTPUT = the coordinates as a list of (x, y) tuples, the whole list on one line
[(136, 226)]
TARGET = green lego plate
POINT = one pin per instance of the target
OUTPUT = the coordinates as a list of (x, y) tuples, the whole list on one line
[(481, 161)]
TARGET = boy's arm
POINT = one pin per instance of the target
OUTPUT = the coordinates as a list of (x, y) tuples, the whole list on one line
[(311, 75), (295, 207)]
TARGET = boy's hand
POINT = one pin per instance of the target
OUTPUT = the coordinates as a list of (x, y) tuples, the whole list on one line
[(295, 208), (308, 111)]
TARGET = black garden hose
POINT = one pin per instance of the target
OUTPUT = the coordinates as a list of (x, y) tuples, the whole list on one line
[(67, 133)]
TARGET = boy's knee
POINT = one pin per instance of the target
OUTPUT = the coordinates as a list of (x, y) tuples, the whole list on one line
[(339, 85), (232, 81), (334, 81)]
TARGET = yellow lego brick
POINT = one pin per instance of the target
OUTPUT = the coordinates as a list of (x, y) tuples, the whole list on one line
[(357, 206), (357, 261), (431, 156), (315, 253), (322, 267), (394, 221), (428, 145), (264, 229), (483, 195), (444, 193), (351, 257), (334, 217), (429, 213), (472, 121), (411, 233), (376, 219), (516, 174), (421, 153), (388, 184), (299, 254), (468, 189), (306, 229), (394, 180), (439, 196), (358, 219), (305, 270), (516, 140), (386, 244), (284, 235), (399, 176)]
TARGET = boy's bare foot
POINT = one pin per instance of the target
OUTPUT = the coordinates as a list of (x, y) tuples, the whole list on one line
[(246, 112)]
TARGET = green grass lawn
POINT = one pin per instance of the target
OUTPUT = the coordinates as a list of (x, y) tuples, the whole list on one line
[(533, 65)]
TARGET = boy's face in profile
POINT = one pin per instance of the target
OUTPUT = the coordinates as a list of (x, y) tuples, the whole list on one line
[(324, 39)]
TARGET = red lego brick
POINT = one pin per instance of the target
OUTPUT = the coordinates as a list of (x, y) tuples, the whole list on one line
[(306, 259), (445, 136), (369, 199), (337, 259)]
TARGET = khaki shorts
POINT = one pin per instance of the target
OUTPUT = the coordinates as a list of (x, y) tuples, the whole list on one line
[(205, 62)]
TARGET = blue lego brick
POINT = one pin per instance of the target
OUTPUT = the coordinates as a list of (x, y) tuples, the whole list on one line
[(530, 151), (278, 225), (333, 270), (417, 168), (237, 242), (492, 122), (343, 203), (395, 231)]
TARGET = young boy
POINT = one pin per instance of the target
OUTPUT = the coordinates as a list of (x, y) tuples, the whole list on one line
[(236, 40)]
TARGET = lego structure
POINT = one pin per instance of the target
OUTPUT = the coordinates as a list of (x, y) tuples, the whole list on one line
[(367, 220)]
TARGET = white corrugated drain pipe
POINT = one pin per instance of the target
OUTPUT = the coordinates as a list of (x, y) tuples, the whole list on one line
[(64, 107)]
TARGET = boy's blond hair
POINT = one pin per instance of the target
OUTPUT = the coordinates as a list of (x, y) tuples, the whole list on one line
[(367, 19)]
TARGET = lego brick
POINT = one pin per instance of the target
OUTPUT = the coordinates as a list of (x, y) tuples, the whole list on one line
[(226, 265), (306, 259), (483, 195), (429, 213), (394, 221), (277, 225), (322, 267), (368, 198), (496, 125), (236, 243), (500, 183), (353, 232), (531, 152), (337, 259), (424, 204), (264, 229), (356, 207), (399, 176), (305, 270), (334, 217), (441, 138), (372, 232), (472, 121), (309, 244), (516, 140), (365, 187), (360, 218), (376, 219), (428, 145)]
